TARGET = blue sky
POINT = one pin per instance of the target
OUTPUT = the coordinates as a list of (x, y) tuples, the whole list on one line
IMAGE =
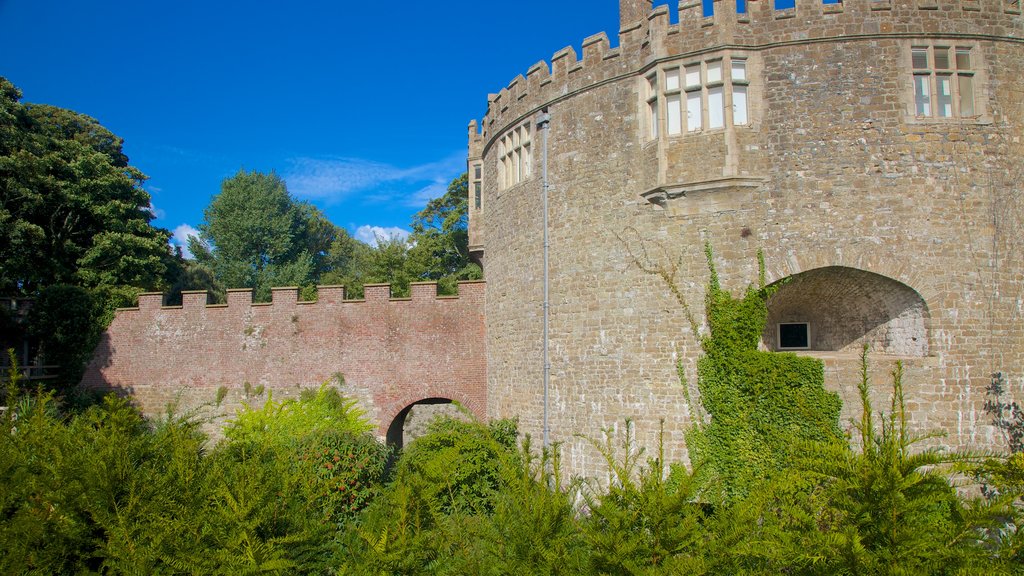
[(361, 106)]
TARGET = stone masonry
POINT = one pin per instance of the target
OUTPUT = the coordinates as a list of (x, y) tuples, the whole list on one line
[(893, 210), (870, 148), (392, 352)]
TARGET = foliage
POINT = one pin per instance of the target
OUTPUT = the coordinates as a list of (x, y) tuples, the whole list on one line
[(192, 275), (893, 509), (440, 240), (256, 235), (457, 465), (72, 210), (761, 404), (66, 321), (107, 492), (645, 523), (313, 412), (465, 501)]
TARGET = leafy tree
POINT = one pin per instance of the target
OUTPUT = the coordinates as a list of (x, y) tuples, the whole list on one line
[(440, 240), (348, 264), (255, 235), (72, 210), (389, 263), (65, 321)]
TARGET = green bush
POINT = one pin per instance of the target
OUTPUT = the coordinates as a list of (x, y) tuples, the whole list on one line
[(67, 322), (291, 420)]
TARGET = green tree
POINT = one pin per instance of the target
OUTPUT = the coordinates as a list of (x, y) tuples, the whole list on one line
[(439, 243), (72, 210), (256, 235)]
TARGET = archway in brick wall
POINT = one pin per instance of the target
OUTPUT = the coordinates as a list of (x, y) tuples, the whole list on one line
[(411, 422), (837, 308)]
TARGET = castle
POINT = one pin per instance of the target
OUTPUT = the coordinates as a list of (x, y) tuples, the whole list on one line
[(870, 148)]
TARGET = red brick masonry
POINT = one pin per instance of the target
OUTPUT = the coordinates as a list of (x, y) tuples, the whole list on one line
[(392, 352)]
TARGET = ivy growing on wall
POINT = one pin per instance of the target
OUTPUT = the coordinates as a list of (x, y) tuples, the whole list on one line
[(761, 405)]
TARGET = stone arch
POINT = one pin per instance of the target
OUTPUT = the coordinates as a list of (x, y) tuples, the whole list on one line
[(845, 308), (884, 261), (395, 431)]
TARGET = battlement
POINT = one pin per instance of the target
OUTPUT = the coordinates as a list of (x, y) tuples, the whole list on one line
[(391, 351), (757, 25), (288, 297)]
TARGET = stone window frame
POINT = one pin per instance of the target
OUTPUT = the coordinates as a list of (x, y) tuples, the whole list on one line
[(651, 82), (515, 156), (476, 170), (671, 86), (976, 73)]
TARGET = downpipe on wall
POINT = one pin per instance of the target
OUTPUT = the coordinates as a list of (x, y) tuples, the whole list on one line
[(543, 124)]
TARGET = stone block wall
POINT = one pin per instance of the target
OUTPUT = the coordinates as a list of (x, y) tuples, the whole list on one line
[(834, 171)]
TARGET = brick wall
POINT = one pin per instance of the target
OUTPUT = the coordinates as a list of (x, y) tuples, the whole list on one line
[(391, 352)]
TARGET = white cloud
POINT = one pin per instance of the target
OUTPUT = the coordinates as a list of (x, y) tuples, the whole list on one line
[(331, 180), (371, 234), (154, 211), (179, 238)]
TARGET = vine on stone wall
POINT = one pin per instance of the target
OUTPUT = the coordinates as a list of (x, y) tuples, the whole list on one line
[(759, 405), (762, 405)]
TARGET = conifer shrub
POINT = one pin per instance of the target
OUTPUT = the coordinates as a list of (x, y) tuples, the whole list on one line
[(647, 521)]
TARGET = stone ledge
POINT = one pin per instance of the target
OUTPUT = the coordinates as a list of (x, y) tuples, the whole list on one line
[(708, 196)]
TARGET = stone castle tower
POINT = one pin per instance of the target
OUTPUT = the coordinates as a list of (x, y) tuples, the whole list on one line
[(871, 148)]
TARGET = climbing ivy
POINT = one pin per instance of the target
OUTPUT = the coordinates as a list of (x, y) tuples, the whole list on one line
[(761, 404)]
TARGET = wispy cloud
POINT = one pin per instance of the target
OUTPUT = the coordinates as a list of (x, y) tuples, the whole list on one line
[(154, 211), (179, 238), (331, 180), (374, 234)]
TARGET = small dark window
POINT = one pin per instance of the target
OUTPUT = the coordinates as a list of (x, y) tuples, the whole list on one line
[(794, 336), (476, 194)]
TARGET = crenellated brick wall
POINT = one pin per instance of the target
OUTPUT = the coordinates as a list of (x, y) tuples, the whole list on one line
[(392, 352)]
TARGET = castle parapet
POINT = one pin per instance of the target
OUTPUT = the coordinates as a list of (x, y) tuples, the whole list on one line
[(648, 36), (288, 297)]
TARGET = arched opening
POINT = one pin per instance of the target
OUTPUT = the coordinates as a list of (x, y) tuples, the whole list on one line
[(841, 309), (412, 421)]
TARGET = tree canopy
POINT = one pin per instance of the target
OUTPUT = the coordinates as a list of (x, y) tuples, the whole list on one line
[(72, 210), (439, 243), (256, 235)]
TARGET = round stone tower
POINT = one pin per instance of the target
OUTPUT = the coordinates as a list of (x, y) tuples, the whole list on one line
[(870, 148)]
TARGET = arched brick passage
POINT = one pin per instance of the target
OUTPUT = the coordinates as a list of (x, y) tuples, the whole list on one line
[(846, 308), (397, 432)]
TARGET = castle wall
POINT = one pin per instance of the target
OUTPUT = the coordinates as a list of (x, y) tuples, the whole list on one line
[(391, 352), (833, 169)]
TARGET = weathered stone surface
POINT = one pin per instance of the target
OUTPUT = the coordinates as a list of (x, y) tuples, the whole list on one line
[(391, 352), (909, 229)]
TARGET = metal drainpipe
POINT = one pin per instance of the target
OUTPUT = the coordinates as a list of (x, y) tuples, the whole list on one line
[(544, 124)]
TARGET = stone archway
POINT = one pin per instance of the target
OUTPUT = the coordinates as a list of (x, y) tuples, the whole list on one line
[(836, 308), (411, 421)]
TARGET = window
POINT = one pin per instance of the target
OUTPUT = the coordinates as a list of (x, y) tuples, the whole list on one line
[(943, 81), (474, 184), (652, 105), (697, 95), (794, 336), (514, 156)]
